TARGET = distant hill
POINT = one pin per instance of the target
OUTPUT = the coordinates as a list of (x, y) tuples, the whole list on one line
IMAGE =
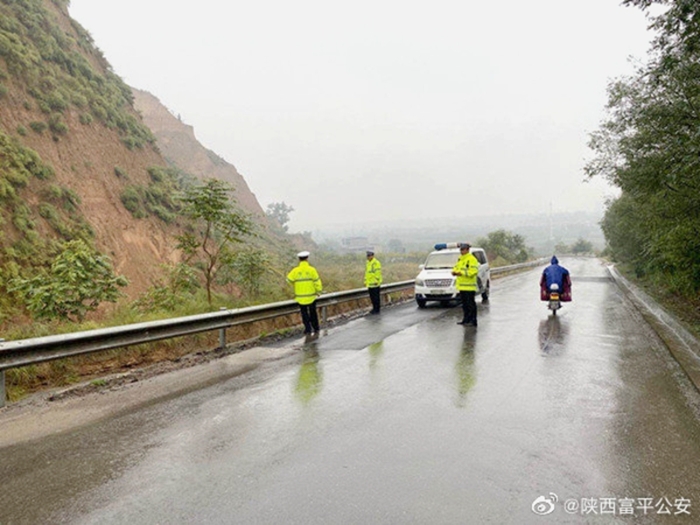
[(178, 144), (541, 231)]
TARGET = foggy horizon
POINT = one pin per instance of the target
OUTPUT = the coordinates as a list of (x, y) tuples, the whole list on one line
[(385, 111)]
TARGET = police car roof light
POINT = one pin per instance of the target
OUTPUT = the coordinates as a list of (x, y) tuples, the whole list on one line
[(444, 245)]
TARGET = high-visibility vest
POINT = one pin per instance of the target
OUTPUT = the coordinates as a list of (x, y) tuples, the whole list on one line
[(373, 273), (466, 269), (307, 283)]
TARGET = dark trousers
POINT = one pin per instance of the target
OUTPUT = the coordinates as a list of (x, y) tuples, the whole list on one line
[(309, 317), (468, 306), (375, 297)]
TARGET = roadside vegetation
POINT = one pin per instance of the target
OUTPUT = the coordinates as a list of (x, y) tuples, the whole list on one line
[(649, 147)]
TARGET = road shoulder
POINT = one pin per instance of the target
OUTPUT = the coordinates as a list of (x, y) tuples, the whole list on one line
[(684, 346)]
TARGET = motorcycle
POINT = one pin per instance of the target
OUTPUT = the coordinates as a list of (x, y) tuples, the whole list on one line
[(554, 302)]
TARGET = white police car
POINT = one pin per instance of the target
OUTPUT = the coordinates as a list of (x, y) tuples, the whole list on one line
[(435, 281)]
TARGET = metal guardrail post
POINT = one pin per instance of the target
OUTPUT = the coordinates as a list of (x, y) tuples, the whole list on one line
[(222, 334), (3, 393)]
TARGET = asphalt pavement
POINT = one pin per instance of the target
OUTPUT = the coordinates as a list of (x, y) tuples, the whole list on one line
[(406, 417)]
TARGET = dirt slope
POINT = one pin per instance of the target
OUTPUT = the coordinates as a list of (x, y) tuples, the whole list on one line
[(178, 144), (90, 157)]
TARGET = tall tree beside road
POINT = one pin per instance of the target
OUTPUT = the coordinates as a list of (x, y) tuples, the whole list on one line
[(649, 146), (217, 223)]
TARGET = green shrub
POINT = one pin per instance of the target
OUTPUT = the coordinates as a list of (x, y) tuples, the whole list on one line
[(18, 164), (131, 199), (71, 199), (162, 213), (56, 102), (38, 127), (131, 142), (157, 198), (21, 218), (53, 192), (99, 112), (67, 198), (79, 100), (53, 217), (44, 172), (157, 173), (48, 211), (57, 125), (78, 280), (7, 191)]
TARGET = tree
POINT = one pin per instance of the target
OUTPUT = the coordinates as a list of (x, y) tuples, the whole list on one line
[(649, 147), (217, 224), (507, 245), (78, 280), (582, 246), (279, 211), (678, 26), (249, 267), (625, 226)]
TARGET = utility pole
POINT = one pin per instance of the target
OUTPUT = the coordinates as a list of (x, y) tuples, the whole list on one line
[(551, 229)]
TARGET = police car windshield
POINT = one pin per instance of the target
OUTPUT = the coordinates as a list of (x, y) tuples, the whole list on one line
[(441, 260)]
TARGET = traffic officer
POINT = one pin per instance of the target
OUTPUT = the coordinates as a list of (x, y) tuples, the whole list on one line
[(373, 281), (307, 286), (466, 270)]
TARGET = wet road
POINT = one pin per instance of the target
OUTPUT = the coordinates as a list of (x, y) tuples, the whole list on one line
[(405, 418)]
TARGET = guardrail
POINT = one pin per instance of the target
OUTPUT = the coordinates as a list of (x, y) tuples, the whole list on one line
[(23, 352)]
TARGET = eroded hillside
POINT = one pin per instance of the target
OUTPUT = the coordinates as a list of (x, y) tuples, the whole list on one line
[(77, 159)]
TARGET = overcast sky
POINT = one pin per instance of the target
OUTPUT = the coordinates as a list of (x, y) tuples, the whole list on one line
[(377, 110)]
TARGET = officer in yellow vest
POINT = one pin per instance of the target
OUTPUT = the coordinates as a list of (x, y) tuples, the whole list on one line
[(307, 286), (466, 271), (373, 281)]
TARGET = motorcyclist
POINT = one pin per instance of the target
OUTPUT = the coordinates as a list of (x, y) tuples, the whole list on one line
[(555, 274)]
